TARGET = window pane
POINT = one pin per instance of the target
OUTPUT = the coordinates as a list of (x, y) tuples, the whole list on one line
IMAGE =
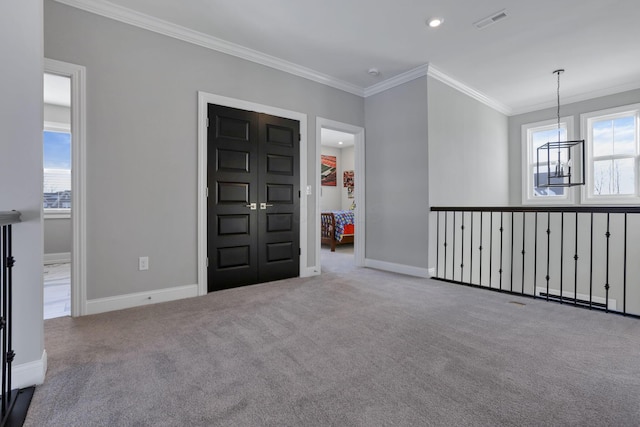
[(546, 191), (617, 136), (57, 170), (614, 177), (543, 136), (603, 138), (624, 135)]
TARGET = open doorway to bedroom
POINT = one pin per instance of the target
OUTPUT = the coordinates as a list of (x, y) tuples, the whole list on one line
[(340, 204)]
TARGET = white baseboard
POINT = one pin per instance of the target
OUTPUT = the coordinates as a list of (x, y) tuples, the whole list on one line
[(58, 258), (310, 271), (30, 373), (120, 302), (396, 268), (584, 297), (432, 272)]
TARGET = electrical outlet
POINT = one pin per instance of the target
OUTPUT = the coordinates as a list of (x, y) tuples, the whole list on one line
[(143, 263)]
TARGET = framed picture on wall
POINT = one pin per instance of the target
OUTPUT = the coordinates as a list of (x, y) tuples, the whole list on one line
[(348, 183), (328, 171)]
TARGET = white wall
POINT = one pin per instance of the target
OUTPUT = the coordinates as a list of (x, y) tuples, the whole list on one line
[(347, 156), (575, 109), (21, 175), (397, 190), (57, 114), (468, 150), (142, 142), (330, 197)]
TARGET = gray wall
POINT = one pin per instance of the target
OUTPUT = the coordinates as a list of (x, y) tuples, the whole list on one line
[(575, 109), (467, 150), (330, 196), (57, 235), (142, 140), (396, 175), (21, 165)]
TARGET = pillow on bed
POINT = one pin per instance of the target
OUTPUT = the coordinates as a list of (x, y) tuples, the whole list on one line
[(348, 229)]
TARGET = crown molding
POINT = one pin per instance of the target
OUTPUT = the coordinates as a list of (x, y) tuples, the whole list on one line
[(128, 16), (141, 20), (397, 80), (578, 98), (469, 91)]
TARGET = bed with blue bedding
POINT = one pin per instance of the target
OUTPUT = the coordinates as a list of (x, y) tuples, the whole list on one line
[(337, 228)]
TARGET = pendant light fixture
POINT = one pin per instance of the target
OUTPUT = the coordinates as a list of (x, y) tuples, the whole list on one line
[(560, 163)]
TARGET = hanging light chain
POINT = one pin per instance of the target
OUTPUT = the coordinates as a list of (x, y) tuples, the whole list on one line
[(558, 72)]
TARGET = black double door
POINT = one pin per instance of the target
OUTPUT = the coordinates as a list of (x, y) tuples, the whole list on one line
[(253, 198)]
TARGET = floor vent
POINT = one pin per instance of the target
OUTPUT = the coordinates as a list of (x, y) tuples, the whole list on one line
[(489, 20)]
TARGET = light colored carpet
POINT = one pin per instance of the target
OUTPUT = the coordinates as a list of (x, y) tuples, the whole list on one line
[(357, 348)]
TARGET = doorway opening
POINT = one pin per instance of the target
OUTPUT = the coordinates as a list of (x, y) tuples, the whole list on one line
[(340, 196), (64, 188), (337, 199), (57, 195)]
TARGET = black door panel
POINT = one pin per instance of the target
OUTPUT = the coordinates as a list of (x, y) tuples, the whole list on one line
[(254, 198)]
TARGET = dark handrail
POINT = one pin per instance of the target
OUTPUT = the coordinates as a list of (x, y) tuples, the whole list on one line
[(585, 209), (555, 261), (9, 217), (13, 402)]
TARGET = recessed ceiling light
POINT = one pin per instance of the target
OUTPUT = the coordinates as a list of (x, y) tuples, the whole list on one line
[(373, 72), (340, 142), (435, 22)]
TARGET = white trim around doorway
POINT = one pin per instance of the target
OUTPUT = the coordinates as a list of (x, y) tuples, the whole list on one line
[(204, 99), (358, 134), (78, 76)]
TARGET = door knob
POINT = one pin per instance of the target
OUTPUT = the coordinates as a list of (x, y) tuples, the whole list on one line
[(264, 205), (252, 206)]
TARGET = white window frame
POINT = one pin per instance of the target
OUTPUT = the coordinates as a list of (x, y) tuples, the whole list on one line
[(527, 172), (588, 196), (49, 213)]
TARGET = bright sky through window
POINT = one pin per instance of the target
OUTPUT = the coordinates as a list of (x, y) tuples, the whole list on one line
[(57, 170)]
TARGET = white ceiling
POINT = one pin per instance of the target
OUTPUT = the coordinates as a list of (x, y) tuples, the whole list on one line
[(57, 90), (510, 62), (333, 138)]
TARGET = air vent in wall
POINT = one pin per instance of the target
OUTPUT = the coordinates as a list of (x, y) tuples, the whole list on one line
[(483, 23)]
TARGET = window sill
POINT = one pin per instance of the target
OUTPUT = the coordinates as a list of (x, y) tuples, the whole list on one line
[(57, 214)]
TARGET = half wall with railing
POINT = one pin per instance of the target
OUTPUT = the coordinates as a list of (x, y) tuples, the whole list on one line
[(583, 256), (14, 402)]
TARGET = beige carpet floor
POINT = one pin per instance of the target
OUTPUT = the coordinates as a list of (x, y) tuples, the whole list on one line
[(352, 347)]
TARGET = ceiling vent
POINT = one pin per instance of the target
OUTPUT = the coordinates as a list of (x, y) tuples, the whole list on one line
[(489, 20)]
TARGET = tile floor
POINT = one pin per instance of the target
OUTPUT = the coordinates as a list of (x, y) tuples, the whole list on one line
[(57, 290)]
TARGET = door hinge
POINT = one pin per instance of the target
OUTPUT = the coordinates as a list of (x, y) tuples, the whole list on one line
[(207, 121), (207, 262), (207, 191), (299, 137), (299, 194)]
